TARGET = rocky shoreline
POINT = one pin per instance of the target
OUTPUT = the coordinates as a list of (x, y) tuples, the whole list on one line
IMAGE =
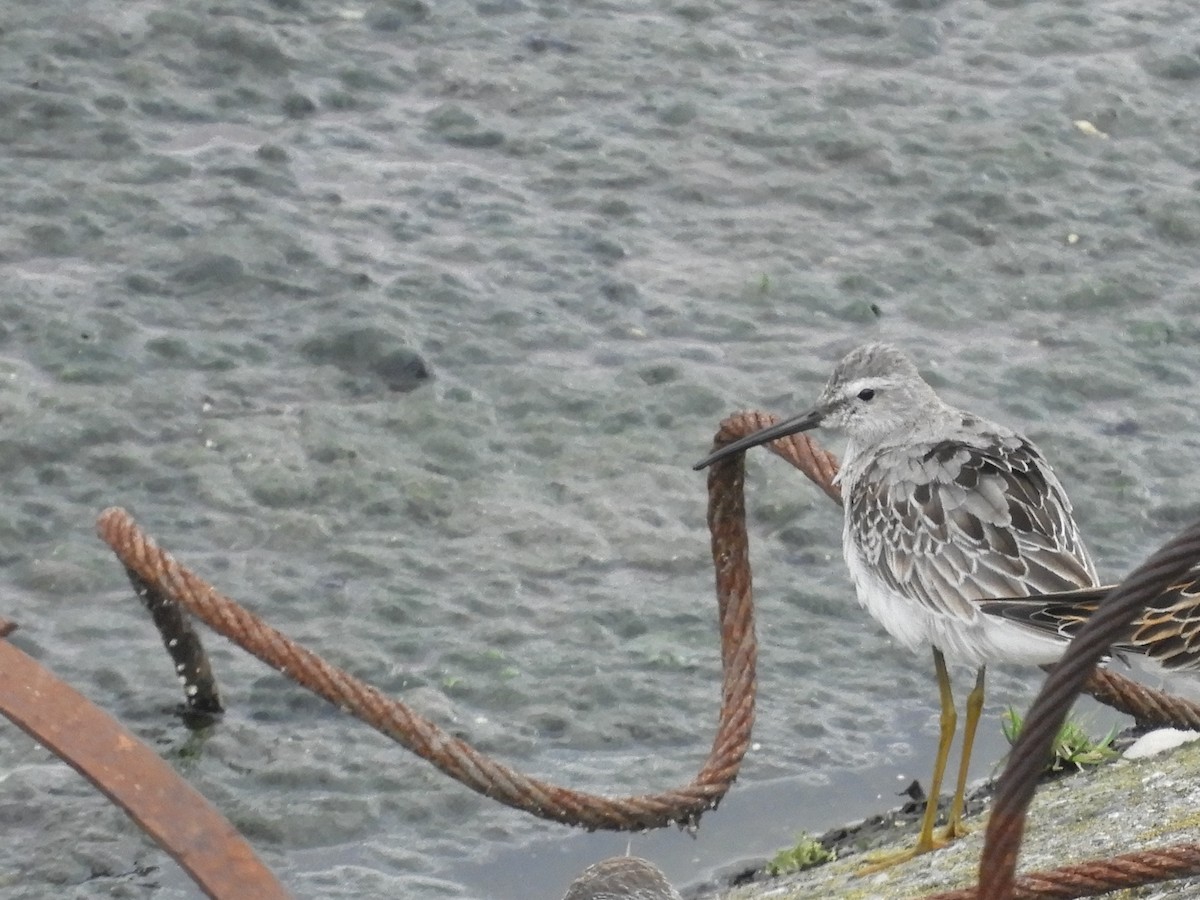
[(1125, 805)]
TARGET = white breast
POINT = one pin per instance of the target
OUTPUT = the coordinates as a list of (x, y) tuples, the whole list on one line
[(975, 641)]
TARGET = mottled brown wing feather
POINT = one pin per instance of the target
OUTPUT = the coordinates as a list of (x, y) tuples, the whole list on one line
[(1168, 631), (957, 522)]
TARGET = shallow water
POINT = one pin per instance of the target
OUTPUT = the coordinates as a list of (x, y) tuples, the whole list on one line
[(235, 237)]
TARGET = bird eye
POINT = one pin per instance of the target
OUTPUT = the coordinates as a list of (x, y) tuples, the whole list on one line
[(866, 394)]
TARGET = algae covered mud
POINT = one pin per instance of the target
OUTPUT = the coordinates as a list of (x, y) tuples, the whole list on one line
[(403, 323)]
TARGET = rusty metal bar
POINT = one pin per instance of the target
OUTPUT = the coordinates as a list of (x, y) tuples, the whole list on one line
[(131, 775)]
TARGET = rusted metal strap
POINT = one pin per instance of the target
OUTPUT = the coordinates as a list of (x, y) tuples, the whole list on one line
[(132, 776)]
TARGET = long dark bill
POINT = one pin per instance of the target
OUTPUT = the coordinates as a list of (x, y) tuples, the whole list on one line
[(794, 425)]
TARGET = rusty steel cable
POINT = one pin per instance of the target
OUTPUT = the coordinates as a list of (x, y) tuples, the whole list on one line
[(455, 757), (134, 777), (1096, 877), (1014, 791), (1150, 707)]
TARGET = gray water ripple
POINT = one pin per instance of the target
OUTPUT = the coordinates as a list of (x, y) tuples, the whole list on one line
[(602, 229)]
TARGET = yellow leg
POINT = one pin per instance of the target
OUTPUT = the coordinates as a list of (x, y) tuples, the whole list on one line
[(949, 721), (954, 827)]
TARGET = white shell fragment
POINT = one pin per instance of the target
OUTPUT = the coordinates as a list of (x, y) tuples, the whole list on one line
[(1160, 741)]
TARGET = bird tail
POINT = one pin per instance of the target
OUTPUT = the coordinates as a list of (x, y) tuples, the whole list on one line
[(1168, 631)]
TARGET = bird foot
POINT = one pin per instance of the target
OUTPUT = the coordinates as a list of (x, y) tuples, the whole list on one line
[(952, 832), (879, 862)]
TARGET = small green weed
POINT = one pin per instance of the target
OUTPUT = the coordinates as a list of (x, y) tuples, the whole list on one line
[(1073, 746), (807, 852)]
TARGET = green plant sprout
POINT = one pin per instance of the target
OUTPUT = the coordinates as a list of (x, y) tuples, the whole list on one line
[(1072, 746), (807, 853)]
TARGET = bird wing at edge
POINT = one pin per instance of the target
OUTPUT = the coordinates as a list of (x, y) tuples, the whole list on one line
[(1168, 631)]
